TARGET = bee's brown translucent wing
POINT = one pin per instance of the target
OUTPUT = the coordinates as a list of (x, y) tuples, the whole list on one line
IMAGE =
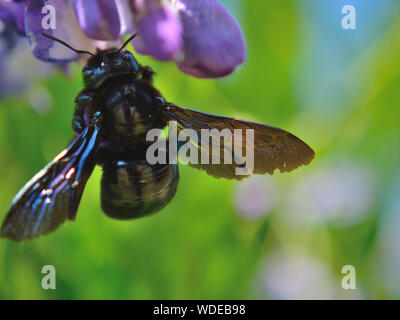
[(53, 194), (273, 148)]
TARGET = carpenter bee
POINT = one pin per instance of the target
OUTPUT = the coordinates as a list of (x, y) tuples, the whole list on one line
[(113, 114)]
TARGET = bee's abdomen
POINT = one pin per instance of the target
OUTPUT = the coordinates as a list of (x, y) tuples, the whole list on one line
[(134, 188)]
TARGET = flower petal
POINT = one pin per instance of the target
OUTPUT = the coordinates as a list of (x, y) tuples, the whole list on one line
[(8, 35), (125, 17), (67, 29), (99, 19), (16, 13), (255, 197), (13, 78), (159, 28), (7, 20), (214, 43)]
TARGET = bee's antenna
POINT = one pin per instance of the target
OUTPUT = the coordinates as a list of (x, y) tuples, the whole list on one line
[(66, 44), (127, 41)]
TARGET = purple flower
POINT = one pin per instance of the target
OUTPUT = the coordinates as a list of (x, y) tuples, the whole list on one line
[(213, 41), (8, 31), (14, 52), (255, 197), (200, 36), (294, 274), (9, 38), (12, 15), (160, 30), (341, 193)]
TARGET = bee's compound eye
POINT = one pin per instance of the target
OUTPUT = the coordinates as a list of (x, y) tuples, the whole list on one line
[(126, 56), (87, 72)]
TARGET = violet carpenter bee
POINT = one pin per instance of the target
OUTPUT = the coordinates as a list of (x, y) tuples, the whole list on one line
[(113, 114)]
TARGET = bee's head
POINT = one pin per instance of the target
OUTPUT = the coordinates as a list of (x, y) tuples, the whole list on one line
[(108, 64), (105, 64)]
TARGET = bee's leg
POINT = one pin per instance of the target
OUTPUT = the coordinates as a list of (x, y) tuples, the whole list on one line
[(83, 105), (147, 73)]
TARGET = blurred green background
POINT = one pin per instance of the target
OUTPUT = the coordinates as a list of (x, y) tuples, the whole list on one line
[(285, 236)]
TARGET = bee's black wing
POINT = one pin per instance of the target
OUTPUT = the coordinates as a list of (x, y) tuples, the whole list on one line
[(53, 194), (273, 148)]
